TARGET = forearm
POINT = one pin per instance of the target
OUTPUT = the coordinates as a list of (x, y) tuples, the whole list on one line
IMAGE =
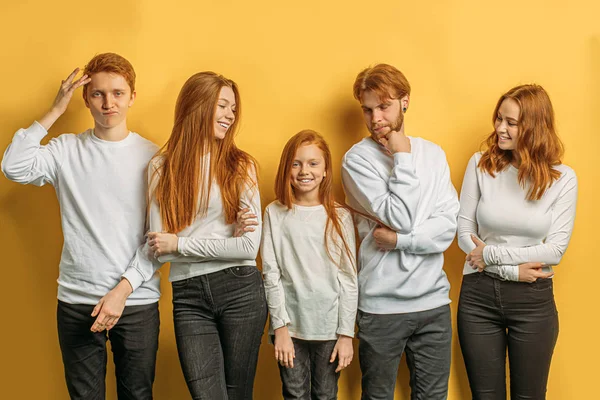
[(191, 249)]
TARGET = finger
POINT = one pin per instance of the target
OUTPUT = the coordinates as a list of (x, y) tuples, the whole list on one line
[(339, 367), (84, 80), (97, 326), (333, 355), (112, 323), (476, 240), (249, 229), (152, 235), (291, 360), (468, 257), (71, 76), (98, 307), (546, 275)]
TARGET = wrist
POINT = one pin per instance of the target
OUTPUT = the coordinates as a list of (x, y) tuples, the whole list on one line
[(124, 287), (281, 331)]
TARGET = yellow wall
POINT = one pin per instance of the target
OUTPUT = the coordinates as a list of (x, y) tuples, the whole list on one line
[(295, 63)]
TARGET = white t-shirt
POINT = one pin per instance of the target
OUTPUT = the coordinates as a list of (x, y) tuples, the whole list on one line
[(305, 290)]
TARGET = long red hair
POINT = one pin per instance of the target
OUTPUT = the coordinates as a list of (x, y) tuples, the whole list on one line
[(284, 191), (538, 146), (184, 175)]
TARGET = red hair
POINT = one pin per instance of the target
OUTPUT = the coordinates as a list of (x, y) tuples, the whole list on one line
[(111, 63), (185, 177), (383, 79), (284, 191), (538, 146)]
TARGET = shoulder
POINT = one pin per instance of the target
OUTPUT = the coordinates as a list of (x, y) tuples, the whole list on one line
[(566, 173), (275, 208), (429, 148), (343, 212), (145, 144)]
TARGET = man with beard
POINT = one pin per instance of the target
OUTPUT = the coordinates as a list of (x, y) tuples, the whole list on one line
[(406, 211)]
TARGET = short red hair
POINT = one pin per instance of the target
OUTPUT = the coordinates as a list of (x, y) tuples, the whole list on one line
[(383, 79), (111, 63)]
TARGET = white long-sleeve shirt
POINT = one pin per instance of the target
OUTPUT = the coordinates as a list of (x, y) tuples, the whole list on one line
[(101, 188), (412, 194), (315, 297), (207, 245), (515, 230)]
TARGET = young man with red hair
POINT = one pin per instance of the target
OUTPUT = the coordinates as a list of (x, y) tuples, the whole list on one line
[(406, 209), (101, 182)]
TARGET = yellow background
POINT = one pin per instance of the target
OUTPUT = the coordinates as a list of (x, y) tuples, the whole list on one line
[(295, 63)]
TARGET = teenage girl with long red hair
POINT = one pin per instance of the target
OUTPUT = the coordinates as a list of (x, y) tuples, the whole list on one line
[(517, 208), (199, 182), (308, 253)]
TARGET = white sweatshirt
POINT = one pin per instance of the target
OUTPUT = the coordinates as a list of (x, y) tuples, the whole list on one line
[(207, 245), (101, 189), (515, 230), (412, 194), (315, 297)]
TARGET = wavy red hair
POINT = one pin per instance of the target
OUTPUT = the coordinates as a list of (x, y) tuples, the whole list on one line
[(539, 148), (111, 63), (284, 191), (184, 176)]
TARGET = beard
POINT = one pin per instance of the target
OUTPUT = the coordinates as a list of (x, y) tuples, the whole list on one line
[(394, 126)]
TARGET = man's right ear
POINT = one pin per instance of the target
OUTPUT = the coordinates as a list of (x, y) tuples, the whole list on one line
[(85, 100)]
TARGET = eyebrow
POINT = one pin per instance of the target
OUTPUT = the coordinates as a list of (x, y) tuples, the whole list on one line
[(509, 118)]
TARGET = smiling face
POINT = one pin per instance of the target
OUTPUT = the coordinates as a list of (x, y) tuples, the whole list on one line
[(224, 112), (308, 171), (507, 124), (382, 116), (108, 97)]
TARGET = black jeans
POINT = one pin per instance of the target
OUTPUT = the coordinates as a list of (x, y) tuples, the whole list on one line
[(427, 338), (494, 315), (134, 342), (219, 320), (313, 376)]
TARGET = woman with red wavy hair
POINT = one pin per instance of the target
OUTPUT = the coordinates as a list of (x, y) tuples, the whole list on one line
[(517, 209), (199, 181)]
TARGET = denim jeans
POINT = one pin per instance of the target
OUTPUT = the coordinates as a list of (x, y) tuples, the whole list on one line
[(219, 320), (313, 376), (427, 338), (496, 315), (134, 342)]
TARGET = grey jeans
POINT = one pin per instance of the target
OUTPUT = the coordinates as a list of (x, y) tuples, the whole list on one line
[(427, 338), (313, 376)]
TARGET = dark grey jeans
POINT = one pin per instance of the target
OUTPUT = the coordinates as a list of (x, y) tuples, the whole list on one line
[(313, 376), (496, 315), (134, 343), (219, 321), (427, 338)]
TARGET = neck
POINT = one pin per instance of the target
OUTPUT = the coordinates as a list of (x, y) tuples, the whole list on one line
[(516, 160), (307, 199), (114, 134)]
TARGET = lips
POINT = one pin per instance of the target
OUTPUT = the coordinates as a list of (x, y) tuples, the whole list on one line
[(223, 125)]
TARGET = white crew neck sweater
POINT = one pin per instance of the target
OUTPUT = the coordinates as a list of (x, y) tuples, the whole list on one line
[(515, 230), (101, 189), (207, 245), (412, 194), (305, 289)]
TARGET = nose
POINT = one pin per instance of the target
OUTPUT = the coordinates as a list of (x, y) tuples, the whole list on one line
[(108, 102), (230, 114), (376, 116)]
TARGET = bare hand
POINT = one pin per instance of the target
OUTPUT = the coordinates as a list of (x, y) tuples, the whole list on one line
[(162, 243), (65, 93), (396, 142), (284, 347), (245, 222), (110, 308), (532, 271), (343, 351), (475, 258), (385, 238)]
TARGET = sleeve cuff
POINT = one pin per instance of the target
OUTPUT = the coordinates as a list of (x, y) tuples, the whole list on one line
[(403, 241), (345, 332), (277, 323), (403, 159), (181, 245), (488, 255), (36, 132), (134, 277)]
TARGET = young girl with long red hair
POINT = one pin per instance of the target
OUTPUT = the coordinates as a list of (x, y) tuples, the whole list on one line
[(199, 182), (517, 208), (308, 252)]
